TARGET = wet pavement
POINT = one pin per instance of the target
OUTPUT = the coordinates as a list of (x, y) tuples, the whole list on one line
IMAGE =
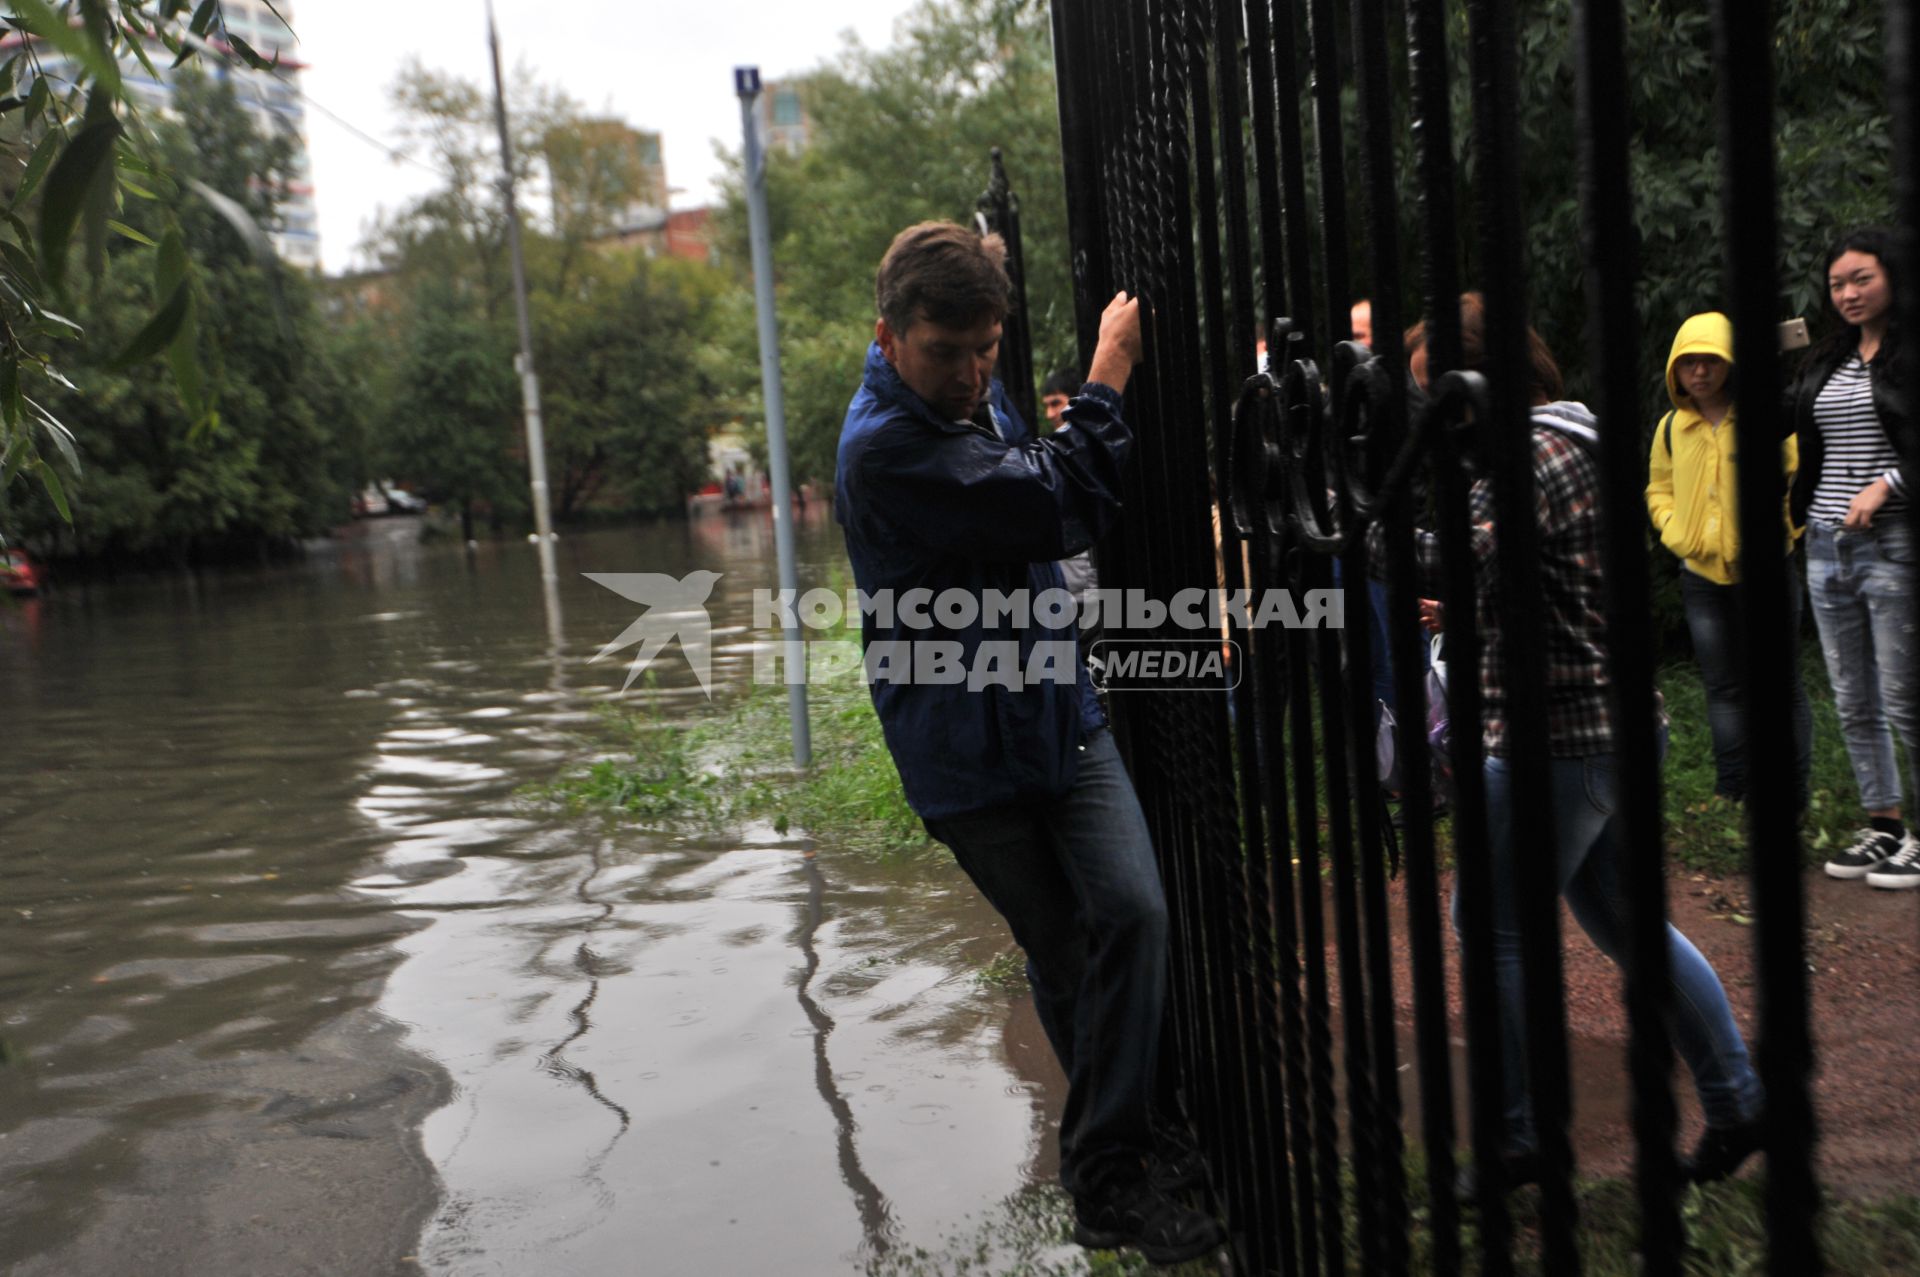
[(292, 980)]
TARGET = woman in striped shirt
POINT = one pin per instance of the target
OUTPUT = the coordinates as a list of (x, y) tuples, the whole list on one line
[(1851, 409)]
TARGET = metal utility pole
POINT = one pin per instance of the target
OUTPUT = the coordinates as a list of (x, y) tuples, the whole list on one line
[(529, 381), (746, 84)]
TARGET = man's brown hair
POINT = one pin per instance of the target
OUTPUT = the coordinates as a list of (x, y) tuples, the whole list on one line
[(943, 273), (1545, 373)]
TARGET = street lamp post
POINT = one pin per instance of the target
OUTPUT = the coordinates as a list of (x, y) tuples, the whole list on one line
[(523, 363), (746, 84)]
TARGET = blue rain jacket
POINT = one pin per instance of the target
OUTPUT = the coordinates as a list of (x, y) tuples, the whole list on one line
[(933, 504)]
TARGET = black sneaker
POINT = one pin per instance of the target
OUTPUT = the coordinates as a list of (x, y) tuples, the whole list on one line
[(1144, 1217), (1176, 1164), (1721, 1151), (1517, 1168), (1902, 871), (1870, 850)]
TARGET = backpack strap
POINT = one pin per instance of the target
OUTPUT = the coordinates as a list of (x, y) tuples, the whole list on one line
[(1668, 426)]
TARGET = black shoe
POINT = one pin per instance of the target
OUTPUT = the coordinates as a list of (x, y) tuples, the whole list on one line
[(1902, 873), (1517, 1168), (1721, 1150), (1176, 1165), (1871, 849), (1142, 1216)]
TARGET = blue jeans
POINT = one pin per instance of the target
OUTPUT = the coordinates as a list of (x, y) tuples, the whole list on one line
[(1076, 880), (1861, 584), (1714, 621), (1586, 855)]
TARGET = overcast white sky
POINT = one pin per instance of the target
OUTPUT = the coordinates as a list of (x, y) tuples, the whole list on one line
[(665, 66)]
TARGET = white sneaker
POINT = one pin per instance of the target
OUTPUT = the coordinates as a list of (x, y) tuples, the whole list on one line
[(1870, 850), (1902, 871)]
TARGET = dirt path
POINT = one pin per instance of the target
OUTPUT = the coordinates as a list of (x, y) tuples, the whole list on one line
[(1864, 948)]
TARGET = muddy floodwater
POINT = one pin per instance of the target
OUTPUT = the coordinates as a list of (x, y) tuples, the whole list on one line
[(292, 982)]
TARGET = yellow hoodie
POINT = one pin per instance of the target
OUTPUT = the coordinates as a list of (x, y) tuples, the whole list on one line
[(1692, 492)]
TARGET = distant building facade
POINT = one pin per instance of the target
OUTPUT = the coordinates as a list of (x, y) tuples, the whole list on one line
[(781, 109), (273, 99), (605, 176), (685, 233)]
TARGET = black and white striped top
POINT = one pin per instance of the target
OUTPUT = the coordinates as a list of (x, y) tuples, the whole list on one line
[(1856, 448)]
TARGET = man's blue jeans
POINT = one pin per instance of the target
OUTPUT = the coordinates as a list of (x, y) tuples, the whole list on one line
[(1586, 853), (1861, 586), (1077, 882), (1714, 621)]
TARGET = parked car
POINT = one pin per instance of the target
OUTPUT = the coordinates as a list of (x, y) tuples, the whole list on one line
[(369, 501), (18, 572), (379, 498)]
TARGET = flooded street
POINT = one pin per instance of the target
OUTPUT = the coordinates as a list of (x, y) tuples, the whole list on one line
[(291, 980)]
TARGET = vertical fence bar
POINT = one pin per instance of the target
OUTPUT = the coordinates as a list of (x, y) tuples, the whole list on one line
[(998, 209), (1903, 95), (1270, 667), (1386, 424), (1522, 635), (1743, 58), (1299, 646), (1404, 649), (1183, 38), (1612, 272), (1433, 136), (1313, 940), (1323, 41), (1080, 146), (1433, 131), (1372, 1194), (1270, 1226)]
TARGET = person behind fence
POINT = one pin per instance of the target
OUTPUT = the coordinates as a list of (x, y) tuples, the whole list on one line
[(1693, 500), (1852, 406), (1585, 840), (941, 486)]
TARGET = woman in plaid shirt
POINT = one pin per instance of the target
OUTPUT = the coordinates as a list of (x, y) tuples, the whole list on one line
[(1586, 836)]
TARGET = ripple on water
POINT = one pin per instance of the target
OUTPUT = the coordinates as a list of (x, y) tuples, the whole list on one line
[(616, 1011)]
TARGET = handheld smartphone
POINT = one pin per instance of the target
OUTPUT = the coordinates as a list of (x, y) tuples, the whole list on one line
[(1793, 335)]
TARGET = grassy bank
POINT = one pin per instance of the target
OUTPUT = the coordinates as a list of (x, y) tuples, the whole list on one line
[(734, 768), (1705, 833)]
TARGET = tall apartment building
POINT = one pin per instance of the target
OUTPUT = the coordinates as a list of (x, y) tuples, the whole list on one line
[(272, 98)]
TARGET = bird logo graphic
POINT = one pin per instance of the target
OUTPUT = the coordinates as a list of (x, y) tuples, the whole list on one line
[(676, 607)]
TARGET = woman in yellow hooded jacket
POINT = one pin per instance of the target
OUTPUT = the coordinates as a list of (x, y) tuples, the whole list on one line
[(1692, 498)]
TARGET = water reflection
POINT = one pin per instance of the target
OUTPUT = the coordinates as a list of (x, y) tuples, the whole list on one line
[(876, 1221), (587, 962), (283, 950)]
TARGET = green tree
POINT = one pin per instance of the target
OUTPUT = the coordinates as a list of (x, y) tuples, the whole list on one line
[(627, 385), (902, 135), (623, 345), (161, 474), (454, 413), (1833, 163), (84, 149)]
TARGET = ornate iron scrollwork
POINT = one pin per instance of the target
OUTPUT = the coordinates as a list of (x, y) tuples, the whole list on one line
[(1295, 475)]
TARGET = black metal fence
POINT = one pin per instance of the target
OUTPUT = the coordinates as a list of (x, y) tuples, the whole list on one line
[(1188, 163)]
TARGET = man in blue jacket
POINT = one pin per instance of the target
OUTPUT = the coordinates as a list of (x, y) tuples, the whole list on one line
[(946, 495)]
